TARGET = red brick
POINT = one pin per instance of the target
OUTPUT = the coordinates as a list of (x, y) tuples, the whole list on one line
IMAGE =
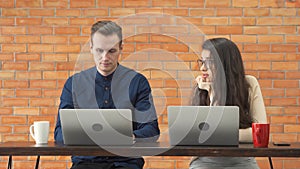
[(166, 3), (229, 12), (243, 38), (229, 30), (28, 39), (202, 12), (28, 75), (5, 129), (40, 30), (271, 75), (293, 75), (51, 165), (44, 102), (271, 3), (291, 20), (55, 3), (41, 66), (115, 3), (14, 66), (242, 21), (28, 21), (82, 4), (67, 30), (40, 48), (28, 93), (55, 75), (54, 57), (13, 12), (284, 137), (65, 66), (292, 92), (67, 48), (284, 102), (215, 21), (14, 102), (292, 110), (122, 11), (54, 39), (284, 48), (285, 66), (15, 137), (7, 92), (67, 12), (96, 12), (256, 48), (244, 3), (292, 39), (13, 48), (28, 3), (52, 93), (256, 30), (26, 111), (283, 30), (217, 3), (13, 120), (176, 11), (43, 84), (269, 21), (271, 39), (6, 39), (11, 30), (49, 111), (273, 92), (7, 75), (6, 4), (15, 84), (286, 83), (271, 56), (191, 3), (6, 111), (41, 12), (55, 21), (81, 21), (134, 3)]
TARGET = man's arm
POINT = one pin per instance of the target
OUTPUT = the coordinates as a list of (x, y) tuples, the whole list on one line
[(66, 102), (145, 118)]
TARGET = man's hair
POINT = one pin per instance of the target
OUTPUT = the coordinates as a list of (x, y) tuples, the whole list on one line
[(106, 28)]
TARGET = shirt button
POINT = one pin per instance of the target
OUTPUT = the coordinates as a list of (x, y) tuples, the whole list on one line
[(106, 88), (105, 101)]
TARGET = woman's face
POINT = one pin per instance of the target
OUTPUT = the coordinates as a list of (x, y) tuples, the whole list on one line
[(206, 66)]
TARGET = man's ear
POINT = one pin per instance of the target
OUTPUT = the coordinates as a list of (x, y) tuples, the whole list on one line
[(91, 47)]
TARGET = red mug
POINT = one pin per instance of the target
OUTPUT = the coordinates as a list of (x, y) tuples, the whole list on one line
[(260, 134)]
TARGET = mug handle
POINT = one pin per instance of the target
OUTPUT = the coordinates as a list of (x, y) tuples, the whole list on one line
[(31, 131), (257, 132)]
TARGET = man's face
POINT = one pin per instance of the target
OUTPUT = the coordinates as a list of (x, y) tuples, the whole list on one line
[(106, 51)]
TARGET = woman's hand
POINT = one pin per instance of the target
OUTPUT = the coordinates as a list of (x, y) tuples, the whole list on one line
[(203, 84)]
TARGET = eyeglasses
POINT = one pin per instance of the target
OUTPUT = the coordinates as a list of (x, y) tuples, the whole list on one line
[(207, 62)]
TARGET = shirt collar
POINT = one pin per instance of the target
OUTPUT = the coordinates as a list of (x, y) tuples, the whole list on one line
[(100, 77)]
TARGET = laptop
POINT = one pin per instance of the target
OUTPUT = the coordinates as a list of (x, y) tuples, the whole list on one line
[(96, 126), (203, 125)]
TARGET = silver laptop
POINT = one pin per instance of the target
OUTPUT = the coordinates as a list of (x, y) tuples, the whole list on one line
[(96, 126), (204, 125)]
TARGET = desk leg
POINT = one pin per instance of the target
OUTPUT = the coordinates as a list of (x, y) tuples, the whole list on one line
[(270, 162), (37, 162), (9, 164)]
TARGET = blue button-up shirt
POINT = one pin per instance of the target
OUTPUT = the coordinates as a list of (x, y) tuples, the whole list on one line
[(124, 88)]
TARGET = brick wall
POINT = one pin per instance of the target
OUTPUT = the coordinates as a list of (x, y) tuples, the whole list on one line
[(43, 42)]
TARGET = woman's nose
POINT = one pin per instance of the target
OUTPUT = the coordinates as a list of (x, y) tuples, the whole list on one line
[(203, 67)]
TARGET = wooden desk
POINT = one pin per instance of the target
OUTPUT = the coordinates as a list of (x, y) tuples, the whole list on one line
[(145, 149)]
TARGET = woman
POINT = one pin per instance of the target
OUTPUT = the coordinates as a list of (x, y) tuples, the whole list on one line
[(223, 82)]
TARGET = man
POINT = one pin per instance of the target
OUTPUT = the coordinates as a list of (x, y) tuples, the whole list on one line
[(110, 85)]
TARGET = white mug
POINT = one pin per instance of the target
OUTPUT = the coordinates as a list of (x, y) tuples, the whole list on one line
[(39, 131)]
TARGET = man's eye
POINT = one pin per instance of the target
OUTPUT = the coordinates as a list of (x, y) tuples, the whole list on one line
[(112, 51), (99, 50)]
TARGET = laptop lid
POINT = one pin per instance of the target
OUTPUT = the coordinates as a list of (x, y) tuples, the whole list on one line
[(96, 126), (203, 125)]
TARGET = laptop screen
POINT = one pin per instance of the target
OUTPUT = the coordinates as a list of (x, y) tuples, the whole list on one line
[(96, 126), (203, 125)]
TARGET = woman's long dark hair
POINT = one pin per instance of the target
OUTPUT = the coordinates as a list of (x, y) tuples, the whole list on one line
[(229, 68)]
